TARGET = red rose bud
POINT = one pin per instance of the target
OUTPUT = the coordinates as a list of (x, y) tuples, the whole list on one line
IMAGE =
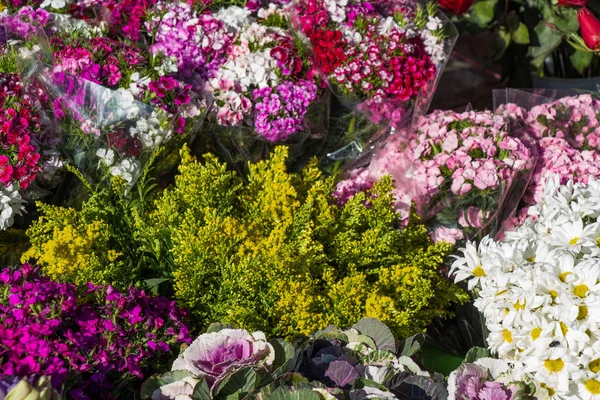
[(457, 7), (590, 28)]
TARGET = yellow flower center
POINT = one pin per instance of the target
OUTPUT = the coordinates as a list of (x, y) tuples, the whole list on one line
[(592, 386), (564, 328), (519, 306), (583, 312), (574, 241), (530, 259), (535, 333), (594, 366), (580, 290), (507, 336), (553, 294), (563, 276), (506, 311), (478, 271), (554, 365)]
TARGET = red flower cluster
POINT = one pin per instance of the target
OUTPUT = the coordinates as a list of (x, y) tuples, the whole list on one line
[(18, 157), (311, 16), (328, 49), (286, 54), (392, 67)]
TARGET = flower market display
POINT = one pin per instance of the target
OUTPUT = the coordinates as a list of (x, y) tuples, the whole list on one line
[(251, 200)]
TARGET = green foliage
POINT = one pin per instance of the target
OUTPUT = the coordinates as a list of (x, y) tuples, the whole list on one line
[(272, 254), (276, 255)]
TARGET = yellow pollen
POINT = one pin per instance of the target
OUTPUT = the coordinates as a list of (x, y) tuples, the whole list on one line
[(592, 386), (583, 312), (564, 328), (554, 365), (519, 306), (478, 271), (594, 366), (563, 276), (535, 333), (530, 259), (574, 241), (580, 290), (507, 336)]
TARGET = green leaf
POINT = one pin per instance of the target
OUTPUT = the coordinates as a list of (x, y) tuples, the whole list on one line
[(475, 354), (284, 393), (364, 382), (412, 345), (201, 390), (378, 331), (153, 284), (241, 381), (503, 40), (482, 12), (284, 352), (581, 60), (544, 41), (521, 34), (155, 382)]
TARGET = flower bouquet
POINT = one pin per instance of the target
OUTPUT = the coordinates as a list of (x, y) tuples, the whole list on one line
[(461, 170), (382, 59), (254, 80), (562, 127), (538, 290), (112, 117)]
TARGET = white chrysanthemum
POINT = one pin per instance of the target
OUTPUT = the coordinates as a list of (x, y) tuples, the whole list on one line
[(539, 291)]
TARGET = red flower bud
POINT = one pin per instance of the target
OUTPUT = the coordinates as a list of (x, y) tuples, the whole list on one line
[(590, 28), (573, 3), (457, 7)]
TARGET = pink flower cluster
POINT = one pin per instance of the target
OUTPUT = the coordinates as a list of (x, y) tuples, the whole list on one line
[(566, 136), (100, 60), (456, 168), (465, 152)]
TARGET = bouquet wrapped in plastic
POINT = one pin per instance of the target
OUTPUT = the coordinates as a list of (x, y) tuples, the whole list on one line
[(564, 128), (256, 82), (109, 117), (382, 59), (463, 172)]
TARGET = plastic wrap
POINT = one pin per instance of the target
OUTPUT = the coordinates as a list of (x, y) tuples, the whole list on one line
[(562, 126), (354, 47), (463, 172), (102, 132)]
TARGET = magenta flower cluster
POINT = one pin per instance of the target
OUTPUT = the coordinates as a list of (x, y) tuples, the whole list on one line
[(197, 41), (82, 340), (279, 112), (26, 22)]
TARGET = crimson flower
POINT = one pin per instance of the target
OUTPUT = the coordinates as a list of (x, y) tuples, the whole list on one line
[(590, 28), (457, 7)]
